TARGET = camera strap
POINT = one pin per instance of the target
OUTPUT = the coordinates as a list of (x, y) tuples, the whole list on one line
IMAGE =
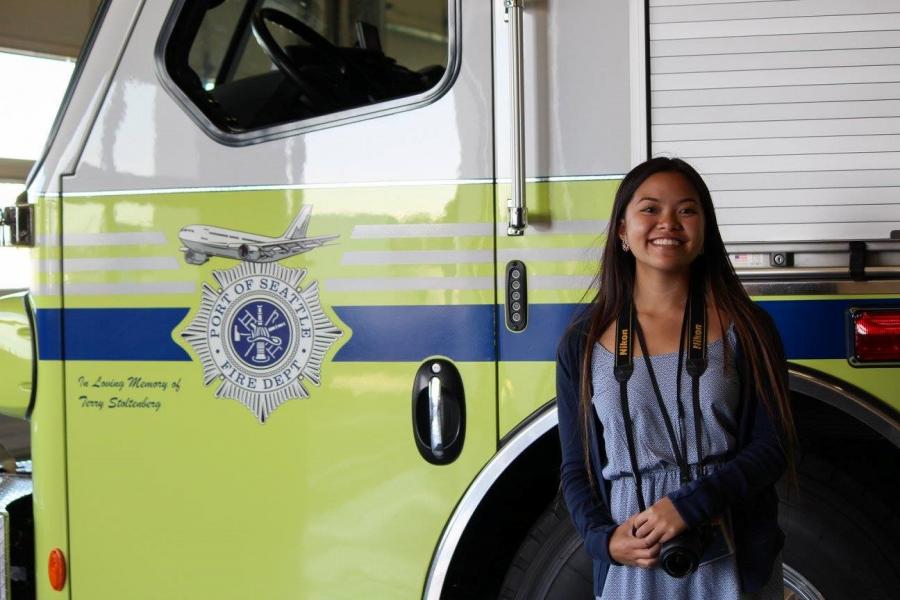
[(623, 369), (626, 326), (697, 361)]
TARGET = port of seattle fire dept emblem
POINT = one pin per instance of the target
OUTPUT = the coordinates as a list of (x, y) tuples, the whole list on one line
[(261, 335)]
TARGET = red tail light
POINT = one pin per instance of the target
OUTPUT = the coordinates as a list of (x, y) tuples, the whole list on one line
[(876, 335)]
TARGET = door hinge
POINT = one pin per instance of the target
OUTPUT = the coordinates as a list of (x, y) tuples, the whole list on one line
[(18, 220)]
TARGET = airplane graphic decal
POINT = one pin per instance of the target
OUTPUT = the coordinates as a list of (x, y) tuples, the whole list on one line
[(203, 241)]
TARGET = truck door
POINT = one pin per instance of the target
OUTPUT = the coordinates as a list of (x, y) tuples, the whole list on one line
[(279, 279), (579, 136)]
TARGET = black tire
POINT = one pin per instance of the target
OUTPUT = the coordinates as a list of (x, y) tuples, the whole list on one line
[(840, 538), (551, 564), (843, 541)]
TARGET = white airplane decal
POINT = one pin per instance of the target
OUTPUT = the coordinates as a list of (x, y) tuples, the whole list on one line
[(202, 241)]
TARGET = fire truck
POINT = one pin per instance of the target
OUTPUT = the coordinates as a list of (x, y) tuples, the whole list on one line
[(300, 268)]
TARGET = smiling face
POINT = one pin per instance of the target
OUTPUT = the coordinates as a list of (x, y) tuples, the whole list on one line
[(664, 223)]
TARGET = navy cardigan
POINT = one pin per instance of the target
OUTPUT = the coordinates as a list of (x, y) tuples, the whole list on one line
[(745, 483)]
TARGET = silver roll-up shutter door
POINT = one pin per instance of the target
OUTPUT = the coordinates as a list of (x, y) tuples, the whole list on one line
[(789, 108)]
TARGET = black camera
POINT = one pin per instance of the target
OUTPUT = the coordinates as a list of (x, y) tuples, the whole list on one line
[(680, 556)]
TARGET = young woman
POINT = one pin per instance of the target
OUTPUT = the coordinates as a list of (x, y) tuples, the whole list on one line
[(666, 285)]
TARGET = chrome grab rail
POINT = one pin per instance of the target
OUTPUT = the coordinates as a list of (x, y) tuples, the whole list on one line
[(518, 213)]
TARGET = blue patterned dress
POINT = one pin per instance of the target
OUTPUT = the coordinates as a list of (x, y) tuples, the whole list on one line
[(719, 392)]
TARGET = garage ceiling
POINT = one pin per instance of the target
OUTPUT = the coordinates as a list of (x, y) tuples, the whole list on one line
[(55, 27), (48, 27)]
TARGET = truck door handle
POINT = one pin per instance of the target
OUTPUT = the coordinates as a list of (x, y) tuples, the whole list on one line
[(438, 411)]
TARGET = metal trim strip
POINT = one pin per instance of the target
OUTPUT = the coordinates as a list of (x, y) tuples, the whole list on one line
[(417, 257), (125, 289), (812, 247), (275, 187), (431, 230), (837, 287), (405, 284), (142, 238), (793, 273), (452, 257), (338, 185), (78, 265), (848, 399), (560, 282), (573, 254)]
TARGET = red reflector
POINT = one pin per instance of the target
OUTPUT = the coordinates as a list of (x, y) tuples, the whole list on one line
[(56, 569), (877, 335)]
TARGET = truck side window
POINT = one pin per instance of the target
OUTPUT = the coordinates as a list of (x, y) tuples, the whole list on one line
[(252, 64)]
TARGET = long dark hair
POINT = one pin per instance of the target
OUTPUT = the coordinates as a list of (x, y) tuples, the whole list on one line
[(713, 270)]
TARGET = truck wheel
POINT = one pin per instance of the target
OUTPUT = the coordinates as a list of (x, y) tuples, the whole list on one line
[(841, 542), (836, 548), (551, 563)]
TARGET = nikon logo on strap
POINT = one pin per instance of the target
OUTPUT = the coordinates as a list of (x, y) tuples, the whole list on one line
[(623, 343), (697, 337)]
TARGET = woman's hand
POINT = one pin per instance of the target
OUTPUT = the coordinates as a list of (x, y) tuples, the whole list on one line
[(659, 523), (627, 549)]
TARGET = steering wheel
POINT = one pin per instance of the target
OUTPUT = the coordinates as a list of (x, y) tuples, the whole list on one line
[(330, 53)]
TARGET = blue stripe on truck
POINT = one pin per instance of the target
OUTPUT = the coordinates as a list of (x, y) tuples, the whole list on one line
[(810, 329), (461, 332), (135, 334)]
